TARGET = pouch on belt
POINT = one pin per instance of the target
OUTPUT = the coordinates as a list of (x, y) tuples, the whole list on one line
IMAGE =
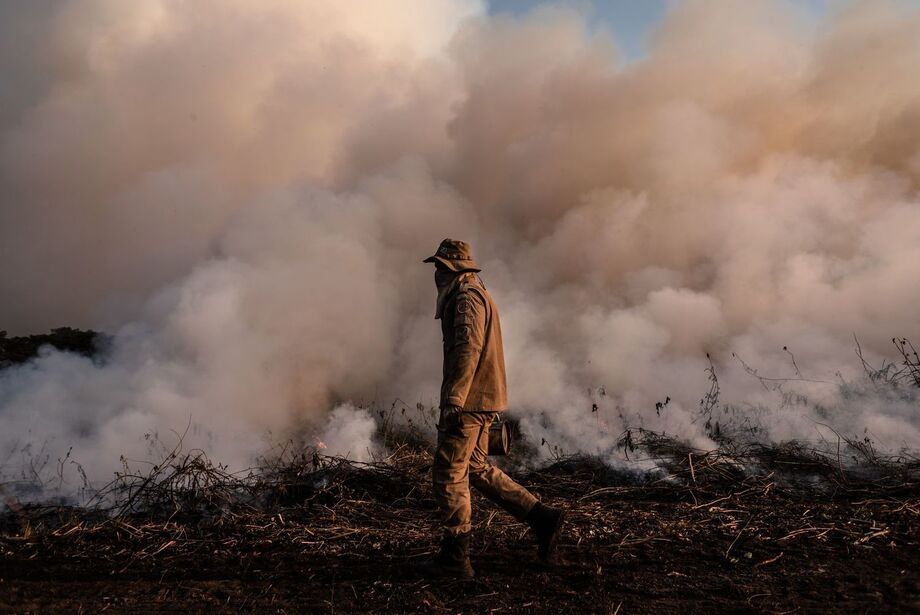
[(500, 436)]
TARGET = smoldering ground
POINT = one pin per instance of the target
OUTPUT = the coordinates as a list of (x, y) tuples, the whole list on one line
[(242, 193)]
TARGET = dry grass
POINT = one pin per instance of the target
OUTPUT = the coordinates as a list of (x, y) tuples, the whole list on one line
[(325, 534)]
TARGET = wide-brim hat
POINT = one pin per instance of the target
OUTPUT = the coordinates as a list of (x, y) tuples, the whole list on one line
[(454, 254)]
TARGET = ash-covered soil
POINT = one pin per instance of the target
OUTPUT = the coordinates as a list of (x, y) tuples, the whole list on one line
[(328, 536)]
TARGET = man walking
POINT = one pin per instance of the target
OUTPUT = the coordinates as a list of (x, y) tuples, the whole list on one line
[(473, 392)]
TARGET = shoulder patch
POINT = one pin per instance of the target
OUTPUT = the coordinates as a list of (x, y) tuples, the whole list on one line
[(464, 310)]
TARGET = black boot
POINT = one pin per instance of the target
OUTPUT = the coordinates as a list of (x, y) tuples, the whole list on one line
[(546, 523), (454, 558)]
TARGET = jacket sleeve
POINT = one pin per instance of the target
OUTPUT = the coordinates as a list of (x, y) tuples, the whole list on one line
[(463, 355)]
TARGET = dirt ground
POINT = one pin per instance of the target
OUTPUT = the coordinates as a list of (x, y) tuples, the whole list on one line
[(347, 539)]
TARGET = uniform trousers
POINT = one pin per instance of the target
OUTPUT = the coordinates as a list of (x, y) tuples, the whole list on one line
[(461, 460)]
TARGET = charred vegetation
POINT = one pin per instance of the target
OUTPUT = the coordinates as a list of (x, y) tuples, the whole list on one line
[(765, 527)]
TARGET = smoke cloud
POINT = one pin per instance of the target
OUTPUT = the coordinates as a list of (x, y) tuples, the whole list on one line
[(242, 194)]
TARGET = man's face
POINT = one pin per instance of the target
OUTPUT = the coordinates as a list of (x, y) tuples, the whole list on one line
[(443, 276)]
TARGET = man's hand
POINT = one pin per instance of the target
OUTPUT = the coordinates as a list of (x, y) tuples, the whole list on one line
[(450, 416), (451, 411)]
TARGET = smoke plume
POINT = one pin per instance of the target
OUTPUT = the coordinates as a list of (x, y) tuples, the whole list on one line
[(242, 194)]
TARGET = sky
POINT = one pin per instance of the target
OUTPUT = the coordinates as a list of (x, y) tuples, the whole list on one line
[(630, 21)]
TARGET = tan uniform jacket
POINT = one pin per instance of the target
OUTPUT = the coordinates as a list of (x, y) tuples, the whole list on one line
[(474, 363)]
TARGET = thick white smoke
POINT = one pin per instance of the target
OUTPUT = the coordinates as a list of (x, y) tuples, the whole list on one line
[(243, 192)]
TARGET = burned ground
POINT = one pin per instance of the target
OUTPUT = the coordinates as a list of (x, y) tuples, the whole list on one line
[(749, 527), (325, 535)]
